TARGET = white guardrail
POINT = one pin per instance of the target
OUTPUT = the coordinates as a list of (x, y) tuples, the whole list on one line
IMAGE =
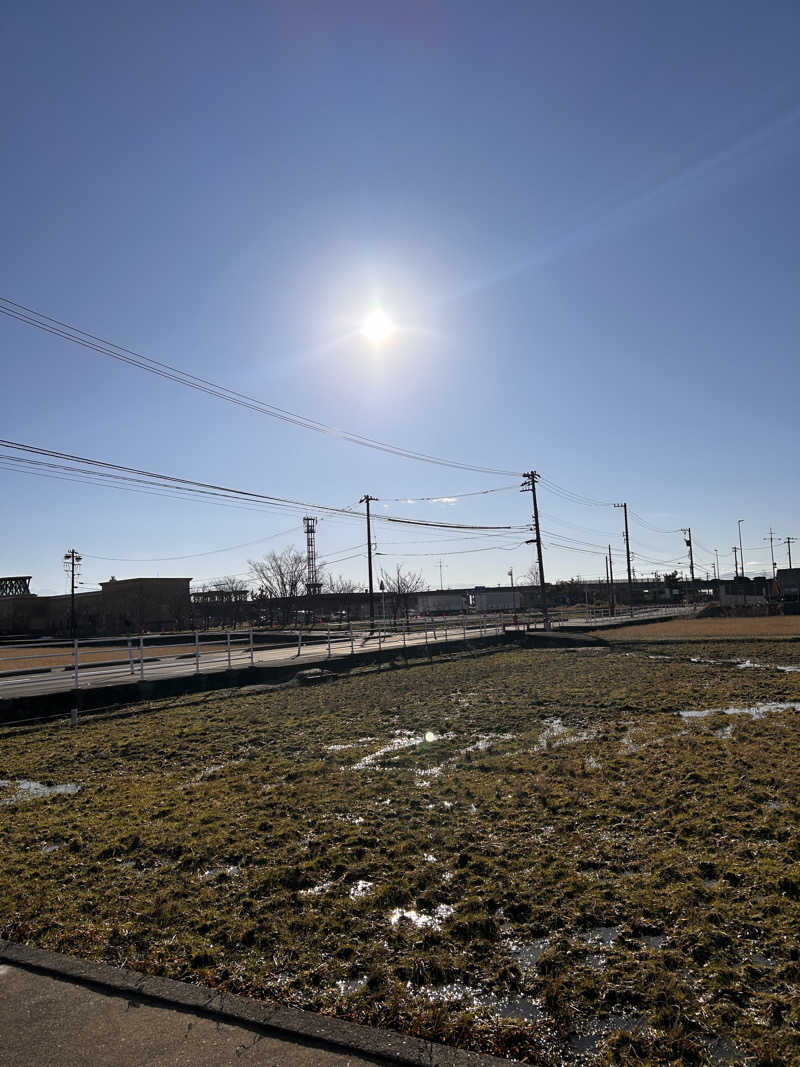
[(87, 661)]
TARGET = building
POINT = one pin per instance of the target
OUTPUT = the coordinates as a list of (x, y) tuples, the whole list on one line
[(131, 605), (788, 582)]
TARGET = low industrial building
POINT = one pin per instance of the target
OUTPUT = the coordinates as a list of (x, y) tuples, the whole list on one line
[(129, 605)]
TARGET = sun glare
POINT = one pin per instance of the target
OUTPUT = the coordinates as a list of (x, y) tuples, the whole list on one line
[(377, 327)]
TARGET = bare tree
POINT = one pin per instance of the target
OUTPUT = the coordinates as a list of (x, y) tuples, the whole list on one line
[(531, 576), (338, 583), (400, 587), (232, 594), (281, 576)]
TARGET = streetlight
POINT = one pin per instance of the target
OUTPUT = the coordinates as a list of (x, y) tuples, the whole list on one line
[(716, 553), (741, 550)]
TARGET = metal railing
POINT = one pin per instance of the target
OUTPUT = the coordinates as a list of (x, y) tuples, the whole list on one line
[(38, 666)]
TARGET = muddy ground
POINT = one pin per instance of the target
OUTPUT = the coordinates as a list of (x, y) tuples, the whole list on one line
[(531, 853)]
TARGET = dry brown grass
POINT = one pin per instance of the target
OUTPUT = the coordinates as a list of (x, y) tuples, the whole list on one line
[(33, 658), (678, 629)]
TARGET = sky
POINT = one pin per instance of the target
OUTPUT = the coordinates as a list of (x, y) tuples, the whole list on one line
[(583, 220)]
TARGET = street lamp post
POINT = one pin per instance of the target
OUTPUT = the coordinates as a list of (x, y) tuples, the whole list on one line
[(741, 550)]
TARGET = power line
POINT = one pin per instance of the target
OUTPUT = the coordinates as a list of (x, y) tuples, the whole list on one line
[(191, 555), (210, 489), (129, 356), (445, 498)]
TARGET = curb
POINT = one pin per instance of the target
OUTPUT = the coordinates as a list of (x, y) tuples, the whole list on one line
[(294, 1023)]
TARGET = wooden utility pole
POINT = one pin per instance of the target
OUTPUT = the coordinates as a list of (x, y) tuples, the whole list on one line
[(687, 533), (531, 479), (628, 553), (365, 499), (771, 539), (735, 562), (72, 564), (611, 576), (788, 542)]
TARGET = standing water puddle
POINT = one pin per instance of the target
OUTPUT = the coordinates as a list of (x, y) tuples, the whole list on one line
[(527, 953)]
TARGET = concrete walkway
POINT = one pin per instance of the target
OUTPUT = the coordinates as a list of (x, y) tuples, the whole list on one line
[(60, 1011), (45, 1022)]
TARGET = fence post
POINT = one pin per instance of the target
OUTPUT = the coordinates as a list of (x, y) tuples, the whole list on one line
[(299, 641), (197, 652), (75, 655), (329, 642), (464, 624), (252, 661), (445, 628), (141, 658), (228, 636), (130, 656), (405, 626), (352, 650)]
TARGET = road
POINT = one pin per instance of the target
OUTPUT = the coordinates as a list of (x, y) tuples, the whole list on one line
[(309, 654)]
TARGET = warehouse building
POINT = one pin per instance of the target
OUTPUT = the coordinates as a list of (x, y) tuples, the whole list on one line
[(130, 605)]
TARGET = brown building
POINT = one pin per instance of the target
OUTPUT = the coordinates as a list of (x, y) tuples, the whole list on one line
[(129, 605)]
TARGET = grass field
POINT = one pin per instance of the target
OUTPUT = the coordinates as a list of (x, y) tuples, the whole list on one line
[(530, 853), (678, 629)]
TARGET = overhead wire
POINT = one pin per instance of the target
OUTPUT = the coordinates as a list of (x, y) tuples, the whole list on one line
[(189, 485), (129, 356)]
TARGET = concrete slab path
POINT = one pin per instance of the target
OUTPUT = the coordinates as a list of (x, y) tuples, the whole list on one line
[(62, 1011), (46, 1022)]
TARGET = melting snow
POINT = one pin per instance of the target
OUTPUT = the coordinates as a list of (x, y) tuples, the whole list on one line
[(25, 789), (756, 711)]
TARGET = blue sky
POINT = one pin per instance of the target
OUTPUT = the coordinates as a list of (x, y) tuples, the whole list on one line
[(583, 218)]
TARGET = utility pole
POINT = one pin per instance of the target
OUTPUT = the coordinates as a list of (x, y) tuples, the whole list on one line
[(611, 576), (735, 562), (365, 499), (441, 580), (72, 565), (532, 478), (788, 543), (716, 553), (771, 550), (628, 552), (741, 550), (513, 599), (688, 537)]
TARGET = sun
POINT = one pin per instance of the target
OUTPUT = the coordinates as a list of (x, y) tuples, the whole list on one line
[(377, 327)]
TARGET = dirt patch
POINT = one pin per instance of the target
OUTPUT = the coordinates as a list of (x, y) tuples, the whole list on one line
[(678, 629)]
